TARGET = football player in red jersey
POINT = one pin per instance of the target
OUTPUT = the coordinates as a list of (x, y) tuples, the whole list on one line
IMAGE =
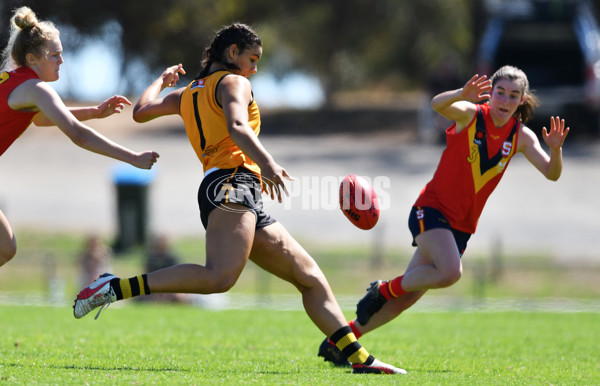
[(31, 59), (479, 146)]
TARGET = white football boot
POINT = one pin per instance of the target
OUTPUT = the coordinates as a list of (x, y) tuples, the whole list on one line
[(98, 294)]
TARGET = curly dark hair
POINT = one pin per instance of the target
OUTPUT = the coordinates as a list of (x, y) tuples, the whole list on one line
[(237, 33)]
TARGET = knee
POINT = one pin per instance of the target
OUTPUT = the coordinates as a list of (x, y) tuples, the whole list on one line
[(306, 279), (7, 253), (222, 283), (450, 277)]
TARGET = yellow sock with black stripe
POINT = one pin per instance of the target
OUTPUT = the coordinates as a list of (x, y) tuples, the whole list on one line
[(128, 288), (345, 340)]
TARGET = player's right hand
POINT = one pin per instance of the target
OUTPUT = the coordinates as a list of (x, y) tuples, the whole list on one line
[(477, 89), (170, 76)]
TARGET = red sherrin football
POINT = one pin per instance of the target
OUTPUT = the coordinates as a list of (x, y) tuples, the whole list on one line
[(359, 202)]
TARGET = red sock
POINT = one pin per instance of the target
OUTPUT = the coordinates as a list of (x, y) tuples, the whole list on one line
[(392, 289), (383, 290), (357, 333), (395, 287)]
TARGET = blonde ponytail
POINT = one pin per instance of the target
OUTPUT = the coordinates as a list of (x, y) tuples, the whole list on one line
[(27, 35), (24, 18)]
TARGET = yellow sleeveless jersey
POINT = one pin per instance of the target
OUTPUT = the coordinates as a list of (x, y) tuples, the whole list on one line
[(206, 125)]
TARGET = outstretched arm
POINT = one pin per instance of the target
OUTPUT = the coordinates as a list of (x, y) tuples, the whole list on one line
[(549, 166), (112, 105), (457, 105), (45, 99), (150, 106)]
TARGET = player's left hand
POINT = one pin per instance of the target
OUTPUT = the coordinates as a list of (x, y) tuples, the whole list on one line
[(112, 105), (557, 134)]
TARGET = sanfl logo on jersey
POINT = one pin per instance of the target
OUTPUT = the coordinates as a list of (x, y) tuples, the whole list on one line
[(506, 148), (198, 84)]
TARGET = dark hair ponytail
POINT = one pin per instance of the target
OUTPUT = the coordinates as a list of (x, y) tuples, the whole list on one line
[(237, 33)]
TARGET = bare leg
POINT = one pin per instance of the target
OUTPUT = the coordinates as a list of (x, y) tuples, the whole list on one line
[(390, 311), (438, 262), (278, 253), (229, 238), (435, 264), (394, 307), (8, 242)]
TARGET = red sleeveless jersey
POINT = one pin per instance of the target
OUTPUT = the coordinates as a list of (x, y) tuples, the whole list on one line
[(13, 122), (470, 168)]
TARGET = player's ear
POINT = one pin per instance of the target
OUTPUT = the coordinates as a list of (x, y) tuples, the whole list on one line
[(30, 59), (233, 51)]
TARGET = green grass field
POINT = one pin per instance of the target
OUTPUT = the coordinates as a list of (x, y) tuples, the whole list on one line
[(439, 341), (158, 344), (43, 256)]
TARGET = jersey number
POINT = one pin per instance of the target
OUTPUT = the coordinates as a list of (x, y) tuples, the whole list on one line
[(199, 122)]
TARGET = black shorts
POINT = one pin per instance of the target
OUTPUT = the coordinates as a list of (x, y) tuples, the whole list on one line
[(426, 218), (236, 186)]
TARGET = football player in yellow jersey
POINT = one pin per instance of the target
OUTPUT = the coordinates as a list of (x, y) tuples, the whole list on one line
[(222, 123)]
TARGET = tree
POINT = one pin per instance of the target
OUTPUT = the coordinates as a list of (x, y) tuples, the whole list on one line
[(347, 44), (353, 44)]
